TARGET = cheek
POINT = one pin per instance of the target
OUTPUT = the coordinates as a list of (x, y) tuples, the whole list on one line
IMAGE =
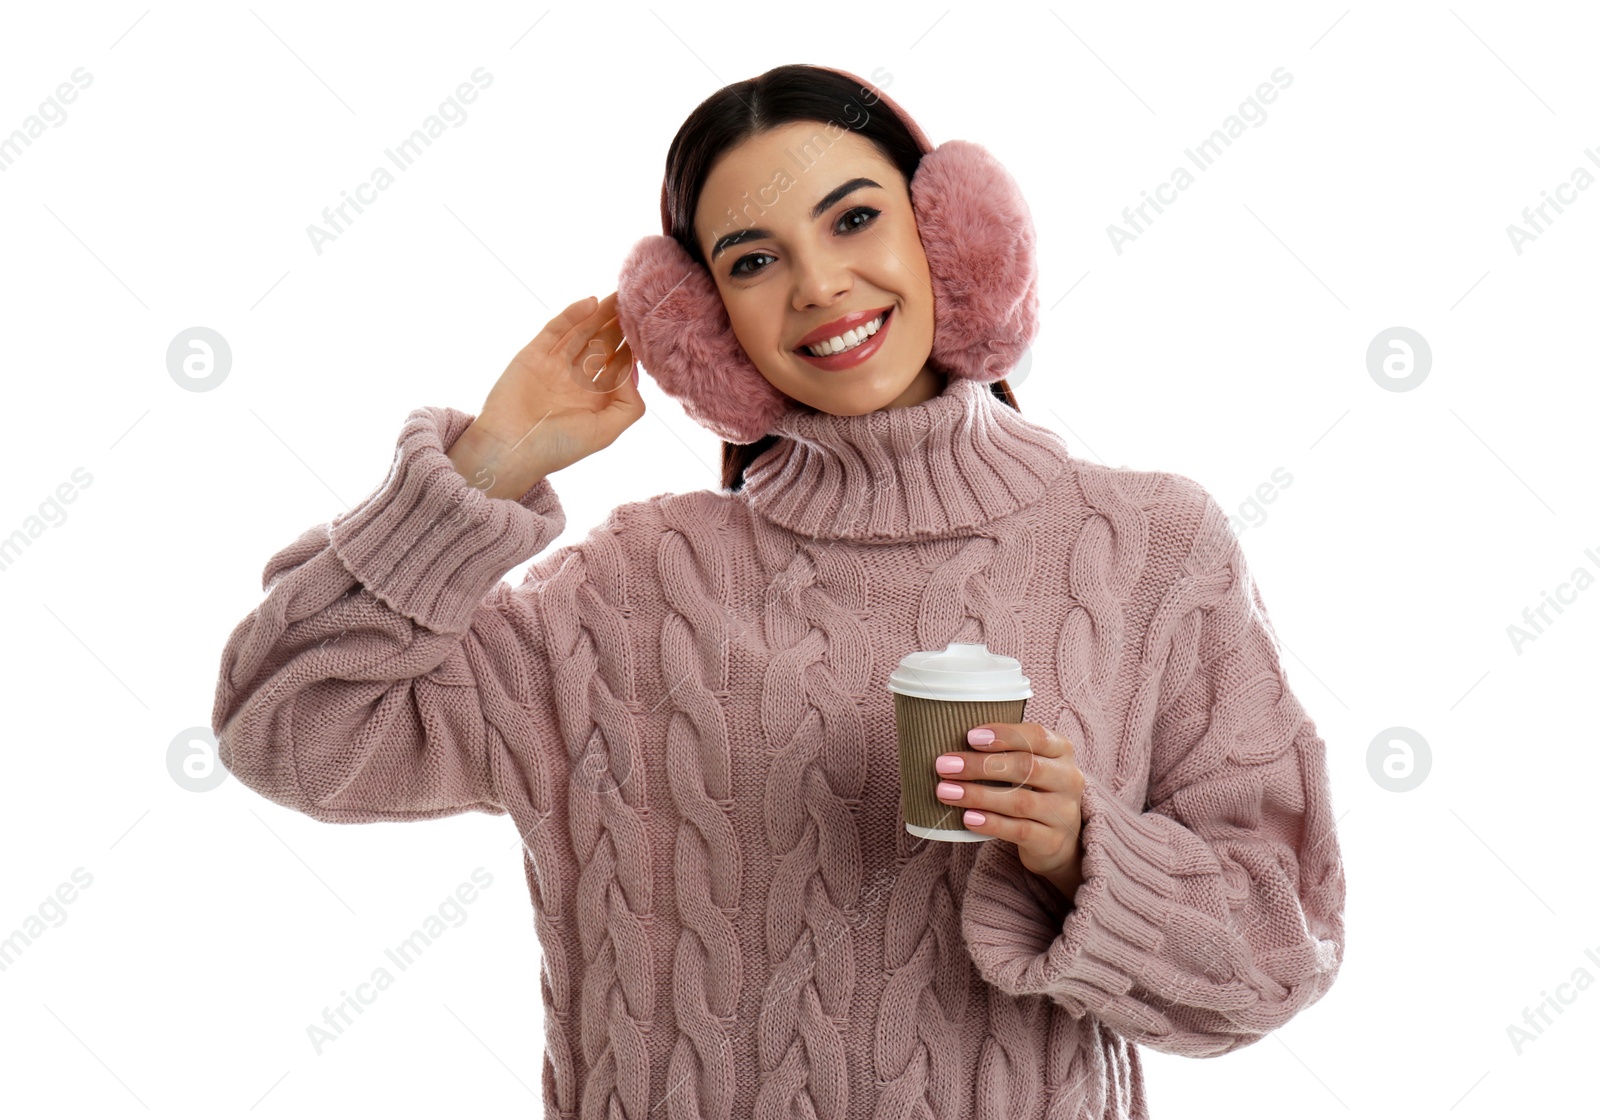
[(915, 280), (916, 259), (904, 253), (753, 320)]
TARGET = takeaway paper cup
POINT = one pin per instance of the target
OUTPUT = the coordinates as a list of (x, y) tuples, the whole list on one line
[(938, 696)]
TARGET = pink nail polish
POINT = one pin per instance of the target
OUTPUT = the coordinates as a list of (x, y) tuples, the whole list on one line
[(980, 736), (947, 764)]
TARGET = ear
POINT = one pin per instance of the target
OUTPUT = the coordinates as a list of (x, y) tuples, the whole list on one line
[(978, 235), (672, 315)]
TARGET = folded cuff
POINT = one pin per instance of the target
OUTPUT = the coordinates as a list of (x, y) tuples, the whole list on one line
[(430, 544), (1110, 939)]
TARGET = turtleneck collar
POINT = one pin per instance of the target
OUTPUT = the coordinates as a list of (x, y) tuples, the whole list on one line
[(936, 469)]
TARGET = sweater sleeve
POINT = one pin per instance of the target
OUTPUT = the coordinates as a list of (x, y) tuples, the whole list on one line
[(385, 672), (1214, 913)]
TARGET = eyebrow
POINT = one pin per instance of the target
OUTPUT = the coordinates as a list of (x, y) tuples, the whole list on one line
[(728, 241)]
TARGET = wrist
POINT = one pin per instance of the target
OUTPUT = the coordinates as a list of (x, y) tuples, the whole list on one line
[(1069, 877), (485, 462), (1067, 881)]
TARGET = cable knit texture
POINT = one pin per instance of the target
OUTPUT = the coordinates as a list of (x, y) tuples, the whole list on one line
[(686, 717)]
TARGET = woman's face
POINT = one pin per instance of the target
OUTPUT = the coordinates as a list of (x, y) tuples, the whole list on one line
[(786, 266)]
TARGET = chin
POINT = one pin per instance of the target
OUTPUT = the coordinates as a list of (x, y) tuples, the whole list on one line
[(850, 392), (857, 398)]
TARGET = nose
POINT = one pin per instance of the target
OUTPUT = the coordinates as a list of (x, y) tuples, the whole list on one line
[(820, 278)]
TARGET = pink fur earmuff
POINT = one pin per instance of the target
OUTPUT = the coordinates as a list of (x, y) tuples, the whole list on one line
[(978, 236)]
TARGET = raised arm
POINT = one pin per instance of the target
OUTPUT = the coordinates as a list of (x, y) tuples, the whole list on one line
[(389, 674), (378, 679)]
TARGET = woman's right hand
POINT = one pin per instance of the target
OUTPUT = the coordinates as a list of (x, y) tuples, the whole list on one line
[(564, 396)]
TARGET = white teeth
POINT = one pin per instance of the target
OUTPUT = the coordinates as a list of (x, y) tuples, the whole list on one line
[(847, 341)]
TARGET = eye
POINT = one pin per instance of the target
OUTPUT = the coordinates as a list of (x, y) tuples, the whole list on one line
[(867, 213), (738, 269)]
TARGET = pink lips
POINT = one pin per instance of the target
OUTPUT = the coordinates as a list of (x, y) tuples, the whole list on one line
[(847, 358), (839, 326)]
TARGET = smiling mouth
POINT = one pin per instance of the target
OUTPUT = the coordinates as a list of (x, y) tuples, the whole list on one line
[(852, 339)]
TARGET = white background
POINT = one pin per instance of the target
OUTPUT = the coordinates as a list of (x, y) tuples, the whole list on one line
[(1227, 341)]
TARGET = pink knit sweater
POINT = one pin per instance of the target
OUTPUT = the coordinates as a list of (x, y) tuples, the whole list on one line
[(686, 717)]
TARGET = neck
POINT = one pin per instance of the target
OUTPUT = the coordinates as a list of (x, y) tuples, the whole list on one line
[(928, 383), (935, 467)]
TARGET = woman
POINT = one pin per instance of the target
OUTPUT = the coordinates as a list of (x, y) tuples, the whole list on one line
[(686, 714)]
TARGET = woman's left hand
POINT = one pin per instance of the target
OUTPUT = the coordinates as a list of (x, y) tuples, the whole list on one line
[(1040, 812)]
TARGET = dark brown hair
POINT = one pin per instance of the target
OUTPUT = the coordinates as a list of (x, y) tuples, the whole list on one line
[(739, 111)]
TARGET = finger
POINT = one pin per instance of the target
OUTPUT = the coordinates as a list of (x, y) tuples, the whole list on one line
[(1031, 737), (577, 337), (1011, 770), (569, 319), (571, 315), (1013, 756), (598, 350), (617, 376), (1013, 801), (1021, 831), (1033, 820), (1012, 760), (630, 383)]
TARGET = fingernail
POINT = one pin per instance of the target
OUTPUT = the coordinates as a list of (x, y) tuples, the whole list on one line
[(948, 789), (948, 764), (980, 736)]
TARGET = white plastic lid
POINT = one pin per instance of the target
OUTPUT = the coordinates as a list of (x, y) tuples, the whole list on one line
[(960, 671)]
